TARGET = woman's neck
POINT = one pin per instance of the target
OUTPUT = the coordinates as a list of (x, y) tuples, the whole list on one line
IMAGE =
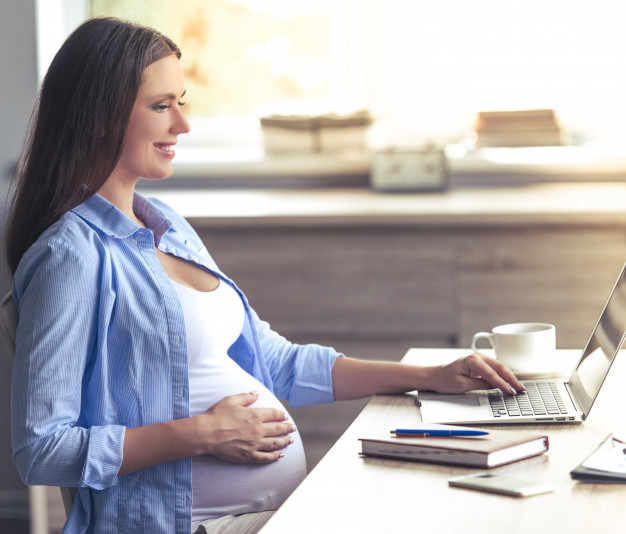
[(121, 195)]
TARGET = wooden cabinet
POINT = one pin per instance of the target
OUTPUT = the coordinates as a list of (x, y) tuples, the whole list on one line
[(353, 286), (376, 291), (560, 275)]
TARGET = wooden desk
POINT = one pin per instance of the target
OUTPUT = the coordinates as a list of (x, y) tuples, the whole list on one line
[(347, 493)]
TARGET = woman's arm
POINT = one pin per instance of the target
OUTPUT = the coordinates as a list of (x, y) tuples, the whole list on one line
[(353, 379), (56, 290)]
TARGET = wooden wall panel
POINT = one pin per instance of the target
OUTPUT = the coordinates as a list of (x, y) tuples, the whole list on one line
[(557, 276), (308, 281)]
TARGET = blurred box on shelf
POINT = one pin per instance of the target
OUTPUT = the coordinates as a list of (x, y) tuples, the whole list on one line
[(518, 128), (409, 169), (329, 132)]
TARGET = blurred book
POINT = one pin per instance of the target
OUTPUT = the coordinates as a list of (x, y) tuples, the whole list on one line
[(519, 128), (497, 448)]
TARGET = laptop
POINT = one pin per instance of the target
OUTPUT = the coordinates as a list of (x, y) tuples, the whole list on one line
[(566, 401)]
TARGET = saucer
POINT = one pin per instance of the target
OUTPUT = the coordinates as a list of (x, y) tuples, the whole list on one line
[(560, 365), (557, 369), (538, 375)]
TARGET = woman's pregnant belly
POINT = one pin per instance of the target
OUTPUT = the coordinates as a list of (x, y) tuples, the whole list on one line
[(221, 487)]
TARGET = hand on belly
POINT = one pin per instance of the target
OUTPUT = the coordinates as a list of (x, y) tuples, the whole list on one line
[(226, 485), (234, 431)]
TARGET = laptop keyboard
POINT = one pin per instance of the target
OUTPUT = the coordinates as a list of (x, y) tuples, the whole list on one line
[(540, 398)]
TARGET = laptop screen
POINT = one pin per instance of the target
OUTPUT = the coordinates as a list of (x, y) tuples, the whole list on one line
[(602, 347)]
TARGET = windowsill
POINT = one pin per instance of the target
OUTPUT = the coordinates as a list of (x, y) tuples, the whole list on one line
[(520, 166), (535, 205), (250, 167)]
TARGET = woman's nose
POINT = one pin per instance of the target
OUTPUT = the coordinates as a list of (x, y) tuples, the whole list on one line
[(181, 124)]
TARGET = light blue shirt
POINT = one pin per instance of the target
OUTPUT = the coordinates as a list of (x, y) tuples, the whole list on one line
[(101, 346)]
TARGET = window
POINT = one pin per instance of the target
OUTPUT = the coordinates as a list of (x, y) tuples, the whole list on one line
[(444, 60), (424, 67), (246, 58), (242, 55), (55, 21)]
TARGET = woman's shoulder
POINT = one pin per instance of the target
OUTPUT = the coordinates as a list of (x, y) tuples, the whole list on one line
[(69, 239), (69, 230), (63, 265)]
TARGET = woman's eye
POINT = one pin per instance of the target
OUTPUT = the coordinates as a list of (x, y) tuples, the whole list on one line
[(163, 107)]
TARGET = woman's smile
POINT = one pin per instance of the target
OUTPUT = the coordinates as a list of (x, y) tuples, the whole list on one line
[(166, 149)]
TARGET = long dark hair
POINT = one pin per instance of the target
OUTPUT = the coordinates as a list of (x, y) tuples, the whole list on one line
[(78, 124)]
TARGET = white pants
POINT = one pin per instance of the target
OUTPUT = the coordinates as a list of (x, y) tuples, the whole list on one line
[(233, 524)]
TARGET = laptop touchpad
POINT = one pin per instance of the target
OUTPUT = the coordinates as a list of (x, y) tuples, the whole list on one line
[(450, 408)]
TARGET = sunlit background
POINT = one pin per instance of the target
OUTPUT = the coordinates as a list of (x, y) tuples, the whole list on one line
[(240, 55), (424, 67)]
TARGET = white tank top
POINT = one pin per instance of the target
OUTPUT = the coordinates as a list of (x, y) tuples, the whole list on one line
[(214, 321)]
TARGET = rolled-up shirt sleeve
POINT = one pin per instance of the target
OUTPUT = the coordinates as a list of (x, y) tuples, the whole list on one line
[(56, 290), (301, 374)]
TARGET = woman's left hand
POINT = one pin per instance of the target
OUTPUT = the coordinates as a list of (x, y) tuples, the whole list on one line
[(474, 372)]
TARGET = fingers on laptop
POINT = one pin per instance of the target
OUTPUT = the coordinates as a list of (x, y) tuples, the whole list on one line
[(494, 373)]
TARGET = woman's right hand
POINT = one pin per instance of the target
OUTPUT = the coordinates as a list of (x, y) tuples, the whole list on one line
[(233, 431)]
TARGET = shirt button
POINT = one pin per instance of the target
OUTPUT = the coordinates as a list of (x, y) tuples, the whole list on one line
[(178, 341)]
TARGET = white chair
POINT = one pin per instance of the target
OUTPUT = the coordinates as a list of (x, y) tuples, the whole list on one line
[(8, 327)]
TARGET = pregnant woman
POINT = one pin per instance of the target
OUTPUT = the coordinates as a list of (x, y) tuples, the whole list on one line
[(142, 375)]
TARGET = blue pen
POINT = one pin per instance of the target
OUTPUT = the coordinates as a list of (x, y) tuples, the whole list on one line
[(438, 432)]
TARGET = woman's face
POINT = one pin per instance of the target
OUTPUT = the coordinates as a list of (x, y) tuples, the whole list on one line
[(155, 122)]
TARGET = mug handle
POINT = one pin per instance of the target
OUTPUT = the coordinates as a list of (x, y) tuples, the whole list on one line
[(480, 335)]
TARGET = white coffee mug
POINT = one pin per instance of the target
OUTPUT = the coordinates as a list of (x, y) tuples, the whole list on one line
[(521, 346)]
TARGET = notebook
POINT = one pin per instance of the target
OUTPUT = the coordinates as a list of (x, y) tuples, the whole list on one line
[(568, 401), (605, 465), (497, 448)]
